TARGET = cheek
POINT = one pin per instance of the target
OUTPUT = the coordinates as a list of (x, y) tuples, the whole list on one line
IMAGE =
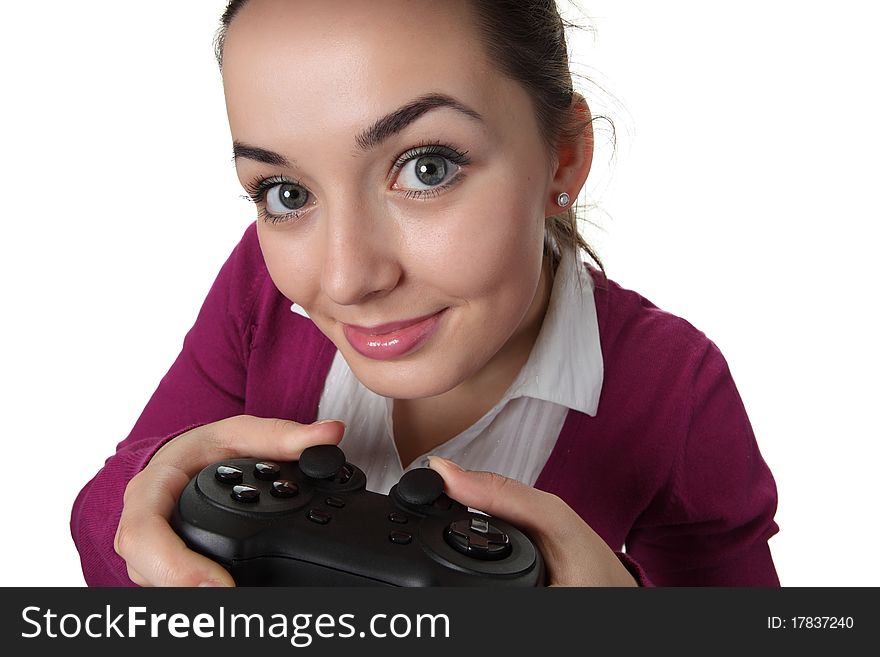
[(490, 244), (294, 272)]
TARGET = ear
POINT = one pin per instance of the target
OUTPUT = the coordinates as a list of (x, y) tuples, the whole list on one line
[(573, 159)]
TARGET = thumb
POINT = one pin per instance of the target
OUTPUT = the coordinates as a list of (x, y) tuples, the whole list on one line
[(246, 436), (575, 554), (494, 494)]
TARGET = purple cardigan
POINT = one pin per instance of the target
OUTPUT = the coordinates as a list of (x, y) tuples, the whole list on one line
[(669, 467)]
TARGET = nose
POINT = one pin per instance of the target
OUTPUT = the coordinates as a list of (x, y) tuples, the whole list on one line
[(361, 255)]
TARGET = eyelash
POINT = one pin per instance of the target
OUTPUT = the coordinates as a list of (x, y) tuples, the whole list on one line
[(258, 187)]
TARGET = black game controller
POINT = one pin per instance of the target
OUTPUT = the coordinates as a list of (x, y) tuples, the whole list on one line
[(313, 523)]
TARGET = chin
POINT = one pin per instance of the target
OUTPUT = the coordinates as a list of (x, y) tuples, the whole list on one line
[(412, 383)]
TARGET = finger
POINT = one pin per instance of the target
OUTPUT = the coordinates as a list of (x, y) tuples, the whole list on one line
[(499, 496), (574, 553), (245, 436), (170, 563), (154, 553)]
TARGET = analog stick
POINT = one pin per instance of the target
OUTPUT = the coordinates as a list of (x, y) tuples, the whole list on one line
[(322, 461), (419, 487)]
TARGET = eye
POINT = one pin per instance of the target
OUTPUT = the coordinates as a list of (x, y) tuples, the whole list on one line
[(286, 198), (426, 172), (283, 199), (428, 167)]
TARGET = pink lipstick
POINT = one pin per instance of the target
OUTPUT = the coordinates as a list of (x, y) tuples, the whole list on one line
[(393, 339)]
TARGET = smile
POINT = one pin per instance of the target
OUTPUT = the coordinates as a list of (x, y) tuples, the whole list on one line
[(393, 339)]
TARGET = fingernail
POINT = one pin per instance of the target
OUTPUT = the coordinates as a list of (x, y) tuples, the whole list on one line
[(213, 583), (443, 463), (320, 422)]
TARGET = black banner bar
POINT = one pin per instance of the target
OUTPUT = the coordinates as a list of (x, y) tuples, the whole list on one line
[(438, 621)]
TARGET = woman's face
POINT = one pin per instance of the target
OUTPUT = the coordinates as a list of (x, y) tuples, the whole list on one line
[(403, 185)]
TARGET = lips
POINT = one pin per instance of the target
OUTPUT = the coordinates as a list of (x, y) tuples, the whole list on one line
[(393, 339)]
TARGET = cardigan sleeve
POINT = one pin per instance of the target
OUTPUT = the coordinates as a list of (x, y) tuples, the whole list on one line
[(205, 383), (711, 525)]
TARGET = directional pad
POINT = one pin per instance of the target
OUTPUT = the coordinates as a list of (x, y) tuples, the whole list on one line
[(477, 537)]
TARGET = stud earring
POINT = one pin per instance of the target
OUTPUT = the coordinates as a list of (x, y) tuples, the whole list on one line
[(563, 199)]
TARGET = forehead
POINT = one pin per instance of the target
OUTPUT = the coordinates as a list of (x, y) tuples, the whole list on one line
[(345, 62)]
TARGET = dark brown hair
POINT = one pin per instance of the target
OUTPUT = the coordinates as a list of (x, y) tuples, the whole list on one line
[(526, 40)]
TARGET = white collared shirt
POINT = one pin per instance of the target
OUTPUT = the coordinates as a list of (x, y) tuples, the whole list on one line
[(515, 437)]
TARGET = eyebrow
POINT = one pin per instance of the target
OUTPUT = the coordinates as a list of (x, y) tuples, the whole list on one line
[(400, 118), (240, 149), (371, 137)]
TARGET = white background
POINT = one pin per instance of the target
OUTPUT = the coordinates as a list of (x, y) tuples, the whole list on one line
[(742, 196)]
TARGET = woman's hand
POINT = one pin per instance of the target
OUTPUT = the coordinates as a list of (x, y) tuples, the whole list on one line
[(154, 553), (574, 554)]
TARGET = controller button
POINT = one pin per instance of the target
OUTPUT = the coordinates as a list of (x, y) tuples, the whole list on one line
[(401, 538), (336, 502), (321, 461), (228, 475), (345, 474), (267, 471), (318, 516), (480, 525), (245, 493), (284, 488), (420, 486), (477, 537), (399, 518)]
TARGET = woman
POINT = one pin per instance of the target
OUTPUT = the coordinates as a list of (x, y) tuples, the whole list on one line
[(413, 165)]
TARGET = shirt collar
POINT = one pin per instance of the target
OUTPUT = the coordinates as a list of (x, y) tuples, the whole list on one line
[(565, 366)]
